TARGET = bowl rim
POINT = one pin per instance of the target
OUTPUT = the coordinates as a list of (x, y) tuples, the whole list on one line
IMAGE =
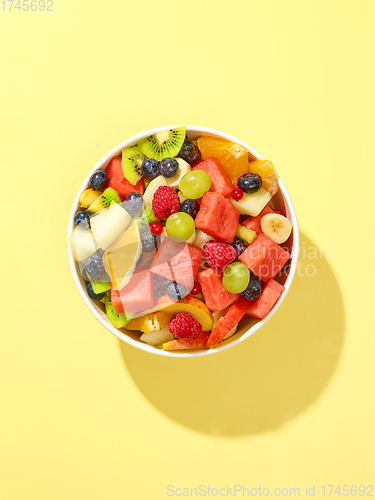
[(100, 316)]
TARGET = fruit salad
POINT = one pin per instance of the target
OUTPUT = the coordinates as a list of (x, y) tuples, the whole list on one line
[(180, 240)]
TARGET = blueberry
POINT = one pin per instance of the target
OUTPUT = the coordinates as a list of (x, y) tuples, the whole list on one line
[(249, 183), (98, 180), (190, 152), (168, 167), (92, 294), (176, 291), (133, 203), (253, 290), (150, 168), (148, 241), (239, 245), (242, 218), (94, 266), (82, 219), (190, 207), (160, 285)]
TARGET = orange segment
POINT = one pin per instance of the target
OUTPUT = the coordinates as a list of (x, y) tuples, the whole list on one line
[(150, 322), (233, 157)]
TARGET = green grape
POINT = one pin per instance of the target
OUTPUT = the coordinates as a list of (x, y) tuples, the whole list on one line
[(194, 184), (236, 277), (180, 226)]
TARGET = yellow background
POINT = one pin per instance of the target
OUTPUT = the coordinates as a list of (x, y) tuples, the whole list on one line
[(85, 417)]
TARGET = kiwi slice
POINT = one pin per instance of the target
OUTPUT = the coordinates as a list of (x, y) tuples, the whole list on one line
[(132, 159), (104, 200), (148, 215), (165, 144), (100, 286), (117, 320)]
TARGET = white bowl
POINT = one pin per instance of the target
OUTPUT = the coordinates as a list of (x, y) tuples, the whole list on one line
[(282, 201)]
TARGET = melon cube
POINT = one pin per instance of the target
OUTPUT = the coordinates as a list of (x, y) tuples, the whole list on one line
[(264, 257), (217, 217), (220, 182), (108, 225), (82, 244), (253, 204), (215, 295), (253, 223), (259, 308)]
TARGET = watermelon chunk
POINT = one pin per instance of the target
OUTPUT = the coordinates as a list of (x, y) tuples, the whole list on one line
[(118, 182), (215, 295), (177, 262), (116, 301), (264, 257), (137, 296), (228, 321), (259, 308), (253, 223), (220, 182), (217, 217), (197, 343)]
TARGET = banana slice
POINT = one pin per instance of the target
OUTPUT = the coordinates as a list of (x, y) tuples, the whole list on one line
[(276, 227), (183, 168)]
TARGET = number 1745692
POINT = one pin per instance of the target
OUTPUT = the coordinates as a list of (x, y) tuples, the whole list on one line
[(27, 5)]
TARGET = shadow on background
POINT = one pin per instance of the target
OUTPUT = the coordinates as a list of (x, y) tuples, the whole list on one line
[(266, 380)]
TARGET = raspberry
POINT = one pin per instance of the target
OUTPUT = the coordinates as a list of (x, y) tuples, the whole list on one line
[(184, 326), (165, 202), (218, 254)]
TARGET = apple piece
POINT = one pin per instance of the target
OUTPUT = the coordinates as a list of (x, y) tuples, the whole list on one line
[(82, 244), (228, 321), (252, 204), (216, 315), (197, 343), (109, 224), (195, 307), (157, 337)]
